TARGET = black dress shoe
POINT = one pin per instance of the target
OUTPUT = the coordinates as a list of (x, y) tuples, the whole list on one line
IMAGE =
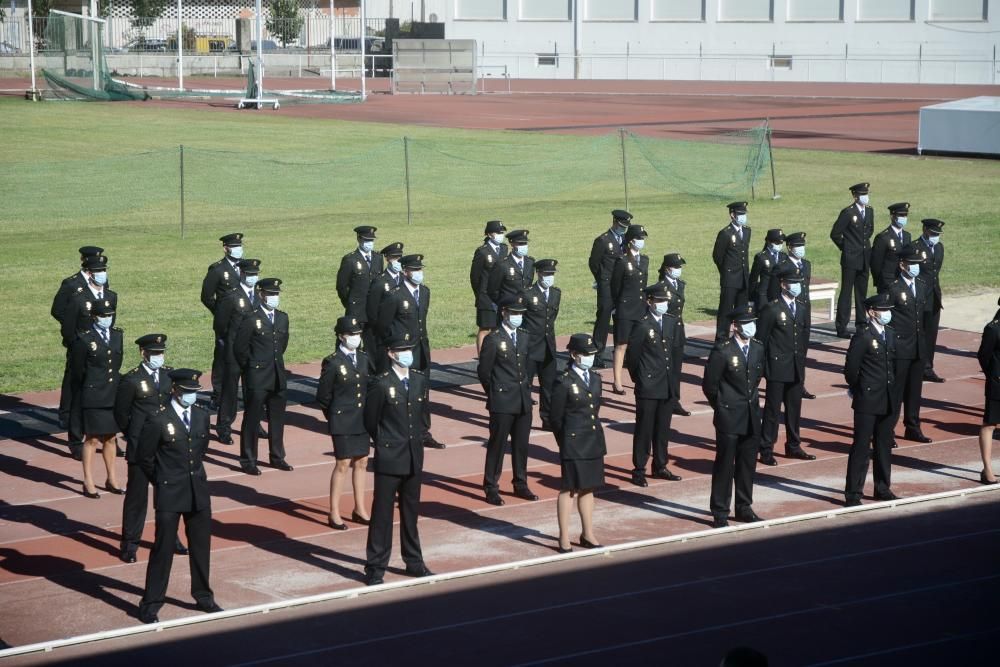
[(373, 578), (127, 556), (419, 571), (429, 441), (251, 470), (493, 498), (180, 549), (808, 394), (801, 454), (149, 618), (720, 522), (667, 475), (76, 452), (843, 334), (679, 410), (587, 544), (639, 479), (546, 425), (335, 526), (620, 391), (916, 436), (768, 460), (931, 376), (564, 551), (893, 445), (357, 518), (88, 494), (210, 607), (984, 480), (225, 438), (115, 490), (525, 494), (747, 516), (119, 452), (853, 502), (888, 495), (282, 465)]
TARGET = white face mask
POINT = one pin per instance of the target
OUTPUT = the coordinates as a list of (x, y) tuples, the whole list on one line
[(585, 362), (748, 329), (794, 289), (403, 358), (741, 219), (250, 279), (638, 244), (271, 301), (155, 361), (352, 342), (521, 250), (367, 246), (674, 273), (515, 320), (863, 200), (395, 266), (776, 247), (547, 281), (100, 277), (104, 322), (499, 238), (661, 307), (236, 251), (883, 316), (417, 277), (189, 398), (798, 251)]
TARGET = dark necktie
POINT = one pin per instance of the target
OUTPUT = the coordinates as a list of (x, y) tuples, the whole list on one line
[(270, 316), (236, 270), (792, 306), (416, 296), (406, 384), (156, 379), (913, 288), (545, 295), (739, 232), (106, 337), (513, 338), (368, 260), (186, 417), (673, 283), (354, 359), (745, 349), (586, 378)]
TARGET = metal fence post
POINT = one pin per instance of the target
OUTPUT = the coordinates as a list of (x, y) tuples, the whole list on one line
[(621, 137), (406, 171), (770, 157), (182, 190)]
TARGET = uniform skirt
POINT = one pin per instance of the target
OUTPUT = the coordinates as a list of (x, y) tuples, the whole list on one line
[(991, 412), (582, 474), (623, 329), (99, 421), (350, 446), (486, 318)]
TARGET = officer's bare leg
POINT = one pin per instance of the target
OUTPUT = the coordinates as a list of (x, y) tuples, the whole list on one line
[(585, 506), (564, 505), (109, 448), (986, 450), (359, 470)]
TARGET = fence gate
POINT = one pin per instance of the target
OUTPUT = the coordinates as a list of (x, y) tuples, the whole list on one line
[(445, 66)]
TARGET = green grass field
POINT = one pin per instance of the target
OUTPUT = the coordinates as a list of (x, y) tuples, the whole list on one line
[(297, 187)]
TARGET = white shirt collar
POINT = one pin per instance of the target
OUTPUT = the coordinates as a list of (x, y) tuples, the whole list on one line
[(347, 352), (96, 291), (401, 373), (149, 370), (179, 409), (787, 297), (877, 325), (580, 372), (247, 289), (510, 332)]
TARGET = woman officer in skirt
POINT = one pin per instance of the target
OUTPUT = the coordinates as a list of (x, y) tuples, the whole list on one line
[(989, 361)]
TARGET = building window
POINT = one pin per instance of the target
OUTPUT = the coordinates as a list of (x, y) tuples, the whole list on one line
[(815, 10), (958, 10), (885, 10), (547, 59), (746, 10), (611, 10), (545, 10), (678, 10), (481, 10), (779, 62)]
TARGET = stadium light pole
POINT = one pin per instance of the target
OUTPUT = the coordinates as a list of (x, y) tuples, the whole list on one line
[(260, 53), (333, 48), (33, 93), (180, 46), (364, 33)]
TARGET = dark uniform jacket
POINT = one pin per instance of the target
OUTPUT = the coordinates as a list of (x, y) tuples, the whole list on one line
[(229, 312), (731, 385), (852, 233), (930, 270), (395, 422), (540, 321), (484, 260), (908, 318), (868, 370), (628, 280), (805, 270), (223, 276), (66, 290), (380, 290), (731, 257), (94, 368), (503, 372), (354, 279), (989, 357), (575, 417), (259, 349), (761, 277), (605, 252), (399, 314), (139, 399), (784, 338), (676, 308), (78, 317), (172, 456), (507, 279), (885, 260), (341, 392), (649, 356)]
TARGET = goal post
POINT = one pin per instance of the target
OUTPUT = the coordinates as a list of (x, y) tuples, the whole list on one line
[(445, 66)]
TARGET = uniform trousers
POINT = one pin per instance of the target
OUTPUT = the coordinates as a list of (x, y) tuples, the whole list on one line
[(602, 325), (422, 363), (788, 394), (228, 398), (735, 461), (932, 320), (65, 394), (677, 357), (218, 368), (503, 427), (379, 548), (866, 428), (256, 399), (852, 282), (909, 378), (729, 298), (546, 372), (652, 431), (198, 528), (134, 508)]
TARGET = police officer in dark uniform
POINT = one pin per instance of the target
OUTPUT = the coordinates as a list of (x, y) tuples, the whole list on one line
[(142, 393), (868, 369), (222, 277), (484, 260), (259, 348), (229, 312), (404, 311), (172, 445), (66, 290), (503, 373), (396, 401), (989, 361), (542, 301), (628, 280), (764, 264), (576, 406), (77, 317), (852, 233), (607, 248), (731, 255), (670, 275), (782, 330), (796, 244), (930, 246), (343, 385), (911, 301), (730, 383), (886, 245), (515, 272), (649, 359), (358, 270), (381, 288)]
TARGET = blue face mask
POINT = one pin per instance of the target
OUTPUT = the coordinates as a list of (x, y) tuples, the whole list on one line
[(901, 222), (547, 281), (100, 277), (933, 240), (741, 219), (913, 270), (674, 273), (521, 250), (236, 251), (748, 329), (250, 279), (776, 247), (395, 266), (104, 322), (272, 301), (367, 246), (404, 358), (794, 289), (515, 321), (661, 307), (155, 361), (798, 251), (884, 316), (188, 398), (863, 200), (585, 362), (417, 277), (638, 244)]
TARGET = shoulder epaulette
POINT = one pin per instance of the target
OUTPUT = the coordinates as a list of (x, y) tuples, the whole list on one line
[(420, 373)]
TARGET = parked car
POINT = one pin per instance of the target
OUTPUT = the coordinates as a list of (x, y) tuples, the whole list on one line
[(8, 49), (147, 44)]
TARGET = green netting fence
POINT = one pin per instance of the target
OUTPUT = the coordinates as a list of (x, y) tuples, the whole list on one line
[(168, 191)]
